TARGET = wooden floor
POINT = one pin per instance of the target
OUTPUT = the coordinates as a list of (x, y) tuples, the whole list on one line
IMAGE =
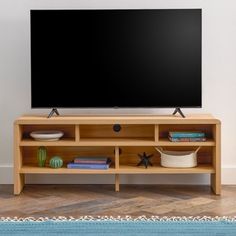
[(134, 200)]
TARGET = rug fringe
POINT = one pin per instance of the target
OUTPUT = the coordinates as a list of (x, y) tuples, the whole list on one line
[(119, 218)]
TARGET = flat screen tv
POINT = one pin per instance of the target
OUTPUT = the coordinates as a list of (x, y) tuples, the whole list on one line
[(135, 58)]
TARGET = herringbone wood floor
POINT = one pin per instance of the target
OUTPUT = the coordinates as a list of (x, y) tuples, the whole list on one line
[(134, 200)]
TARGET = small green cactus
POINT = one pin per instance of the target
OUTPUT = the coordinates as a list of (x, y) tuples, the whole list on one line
[(42, 156), (56, 162)]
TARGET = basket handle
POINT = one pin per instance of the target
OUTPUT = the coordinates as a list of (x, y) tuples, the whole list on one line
[(197, 149), (159, 149)]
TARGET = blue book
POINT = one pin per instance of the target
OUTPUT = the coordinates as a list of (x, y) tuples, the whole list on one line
[(73, 165), (91, 160), (190, 134)]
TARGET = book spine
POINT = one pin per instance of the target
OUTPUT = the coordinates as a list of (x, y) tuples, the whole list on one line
[(90, 162), (187, 139), (186, 135), (91, 159), (87, 166)]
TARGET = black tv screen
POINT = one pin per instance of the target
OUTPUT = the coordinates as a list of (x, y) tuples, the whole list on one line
[(116, 58)]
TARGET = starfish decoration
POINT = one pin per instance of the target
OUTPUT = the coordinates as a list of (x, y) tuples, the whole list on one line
[(145, 160)]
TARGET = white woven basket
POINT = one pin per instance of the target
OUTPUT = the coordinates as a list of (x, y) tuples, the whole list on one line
[(178, 159)]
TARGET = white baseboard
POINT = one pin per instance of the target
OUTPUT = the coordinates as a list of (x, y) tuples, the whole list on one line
[(6, 174), (228, 177)]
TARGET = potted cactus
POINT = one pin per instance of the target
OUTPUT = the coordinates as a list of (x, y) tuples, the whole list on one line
[(42, 156), (56, 162)]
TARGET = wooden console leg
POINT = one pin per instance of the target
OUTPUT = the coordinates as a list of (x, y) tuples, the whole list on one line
[(117, 183), (215, 184), (216, 161), (19, 181)]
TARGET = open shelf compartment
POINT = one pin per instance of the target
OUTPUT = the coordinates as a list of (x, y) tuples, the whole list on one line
[(164, 129), (29, 161), (130, 132), (68, 130), (129, 159)]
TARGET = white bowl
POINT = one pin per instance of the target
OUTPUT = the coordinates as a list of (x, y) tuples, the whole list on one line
[(47, 135)]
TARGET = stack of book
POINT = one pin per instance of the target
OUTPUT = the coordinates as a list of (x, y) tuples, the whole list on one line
[(188, 136), (99, 163)]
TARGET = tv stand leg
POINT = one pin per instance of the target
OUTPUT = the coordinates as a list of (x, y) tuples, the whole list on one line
[(178, 110), (54, 110)]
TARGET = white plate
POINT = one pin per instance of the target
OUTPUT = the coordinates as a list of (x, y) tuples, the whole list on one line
[(47, 135)]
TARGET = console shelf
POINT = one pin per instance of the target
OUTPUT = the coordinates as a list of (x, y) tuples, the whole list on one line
[(62, 142), (166, 142), (124, 169), (63, 170), (133, 169), (113, 142), (95, 136)]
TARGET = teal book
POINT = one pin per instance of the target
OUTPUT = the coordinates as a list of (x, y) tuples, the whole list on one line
[(187, 139), (187, 134)]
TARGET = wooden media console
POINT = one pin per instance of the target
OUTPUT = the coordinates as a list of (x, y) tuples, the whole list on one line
[(95, 136)]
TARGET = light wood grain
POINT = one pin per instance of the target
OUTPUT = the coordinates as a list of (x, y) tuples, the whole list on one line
[(117, 167), (167, 142), (94, 135), (64, 170), (117, 183), (77, 133), (200, 169), (117, 158), (114, 119), (113, 142), (61, 142), (216, 177), (127, 131), (156, 133), (124, 169), (18, 177)]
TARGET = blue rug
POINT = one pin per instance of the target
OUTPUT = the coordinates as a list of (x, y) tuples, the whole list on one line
[(120, 227)]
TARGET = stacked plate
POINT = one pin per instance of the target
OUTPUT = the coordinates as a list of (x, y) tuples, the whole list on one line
[(47, 135)]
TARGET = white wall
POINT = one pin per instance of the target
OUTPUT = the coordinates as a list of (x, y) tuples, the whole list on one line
[(219, 76)]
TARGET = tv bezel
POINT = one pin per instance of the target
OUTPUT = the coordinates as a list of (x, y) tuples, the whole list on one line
[(113, 107)]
